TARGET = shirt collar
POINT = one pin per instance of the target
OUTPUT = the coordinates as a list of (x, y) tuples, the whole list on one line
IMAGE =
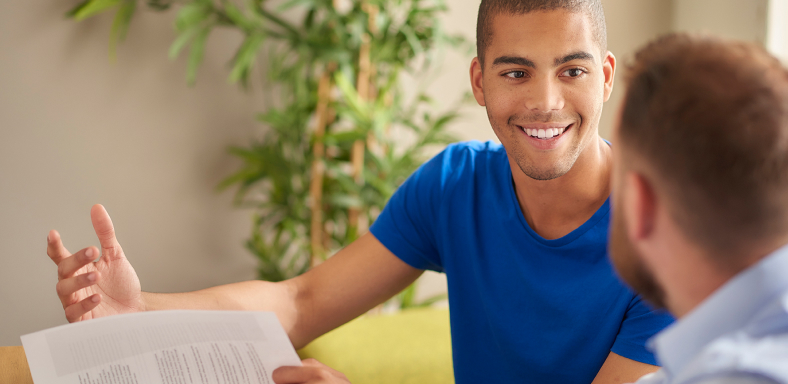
[(729, 308)]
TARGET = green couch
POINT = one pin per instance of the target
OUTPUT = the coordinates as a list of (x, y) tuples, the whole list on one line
[(410, 347)]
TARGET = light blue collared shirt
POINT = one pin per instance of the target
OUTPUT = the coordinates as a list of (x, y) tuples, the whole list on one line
[(739, 334)]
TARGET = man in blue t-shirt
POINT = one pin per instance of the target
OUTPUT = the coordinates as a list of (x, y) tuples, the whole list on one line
[(520, 229)]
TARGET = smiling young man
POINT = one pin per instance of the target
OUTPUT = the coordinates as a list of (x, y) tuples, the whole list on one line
[(519, 229)]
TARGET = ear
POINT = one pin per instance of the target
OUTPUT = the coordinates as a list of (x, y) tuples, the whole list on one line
[(640, 207), (477, 81), (609, 69)]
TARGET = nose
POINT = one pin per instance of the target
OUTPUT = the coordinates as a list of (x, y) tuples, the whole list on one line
[(544, 95)]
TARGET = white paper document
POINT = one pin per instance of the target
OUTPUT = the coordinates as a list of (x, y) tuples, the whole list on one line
[(162, 347)]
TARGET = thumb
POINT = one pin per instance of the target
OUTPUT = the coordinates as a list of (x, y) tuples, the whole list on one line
[(105, 231)]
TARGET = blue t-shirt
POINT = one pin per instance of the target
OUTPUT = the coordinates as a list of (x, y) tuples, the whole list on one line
[(523, 309)]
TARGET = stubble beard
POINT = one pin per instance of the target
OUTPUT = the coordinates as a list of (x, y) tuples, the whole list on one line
[(553, 171), (629, 264), (529, 167)]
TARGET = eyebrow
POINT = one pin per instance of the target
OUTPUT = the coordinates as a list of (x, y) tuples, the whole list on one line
[(580, 55), (518, 60), (513, 60)]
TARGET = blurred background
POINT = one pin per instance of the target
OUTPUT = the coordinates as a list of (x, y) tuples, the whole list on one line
[(78, 128)]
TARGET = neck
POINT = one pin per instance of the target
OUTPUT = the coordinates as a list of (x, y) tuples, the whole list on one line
[(553, 208), (691, 285)]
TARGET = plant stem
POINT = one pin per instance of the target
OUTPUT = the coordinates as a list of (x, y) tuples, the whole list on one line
[(277, 20), (363, 86), (318, 165)]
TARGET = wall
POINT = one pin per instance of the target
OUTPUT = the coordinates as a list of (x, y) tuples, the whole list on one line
[(737, 19), (777, 29), (79, 129)]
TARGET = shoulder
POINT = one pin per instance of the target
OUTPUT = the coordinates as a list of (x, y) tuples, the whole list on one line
[(746, 357), (738, 379), (472, 153), (462, 161)]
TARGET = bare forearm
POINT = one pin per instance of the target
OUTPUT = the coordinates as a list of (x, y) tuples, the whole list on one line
[(346, 285), (252, 295)]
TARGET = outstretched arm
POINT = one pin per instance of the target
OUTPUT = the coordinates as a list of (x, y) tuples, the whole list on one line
[(353, 281), (357, 278)]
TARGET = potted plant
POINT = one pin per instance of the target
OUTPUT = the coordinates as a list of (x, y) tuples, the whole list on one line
[(328, 161)]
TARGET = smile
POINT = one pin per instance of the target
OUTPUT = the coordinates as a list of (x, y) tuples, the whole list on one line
[(544, 133)]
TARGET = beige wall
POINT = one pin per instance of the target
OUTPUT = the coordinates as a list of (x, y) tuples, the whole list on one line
[(76, 129), (777, 29), (738, 19)]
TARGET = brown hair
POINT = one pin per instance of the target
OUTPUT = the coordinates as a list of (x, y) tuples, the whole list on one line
[(709, 117), (488, 9)]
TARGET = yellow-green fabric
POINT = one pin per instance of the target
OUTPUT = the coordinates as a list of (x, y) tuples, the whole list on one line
[(410, 347)]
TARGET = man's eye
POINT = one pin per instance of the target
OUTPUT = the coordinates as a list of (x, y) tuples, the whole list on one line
[(574, 72), (515, 74)]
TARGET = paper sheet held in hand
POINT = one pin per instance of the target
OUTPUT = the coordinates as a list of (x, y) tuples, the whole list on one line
[(162, 347)]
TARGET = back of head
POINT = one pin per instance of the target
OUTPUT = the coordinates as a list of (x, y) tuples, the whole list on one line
[(488, 9), (708, 118)]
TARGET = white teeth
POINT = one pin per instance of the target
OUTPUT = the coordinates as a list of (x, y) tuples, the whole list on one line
[(544, 133)]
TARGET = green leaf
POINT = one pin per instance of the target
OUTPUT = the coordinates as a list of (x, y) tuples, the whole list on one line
[(245, 58), (237, 16), (183, 38), (350, 94), (292, 3), (91, 8), (414, 42), (344, 137), (121, 24), (344, 201), (71, 13), (160, 5), (292, 30), (407, 296), (196, 54), (191, 15)]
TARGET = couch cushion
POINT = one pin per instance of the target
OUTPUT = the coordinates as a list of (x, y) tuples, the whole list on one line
[(413, 346)]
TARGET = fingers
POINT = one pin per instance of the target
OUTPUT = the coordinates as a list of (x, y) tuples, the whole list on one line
[(70, 265), (105, 231), (55, 249), (312, 372), (75, 312), (312, 363), (66, 288)]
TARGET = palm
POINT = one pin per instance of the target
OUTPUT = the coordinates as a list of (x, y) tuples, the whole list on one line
[(119, 286), (89, 290)]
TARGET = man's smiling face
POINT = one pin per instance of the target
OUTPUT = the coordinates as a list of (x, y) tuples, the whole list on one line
[(543, 84)]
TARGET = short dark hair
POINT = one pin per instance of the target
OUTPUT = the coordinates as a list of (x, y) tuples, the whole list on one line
[(488, 9), (709, 118)]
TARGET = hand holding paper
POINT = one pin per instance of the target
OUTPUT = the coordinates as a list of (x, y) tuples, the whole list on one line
[(311, 372)]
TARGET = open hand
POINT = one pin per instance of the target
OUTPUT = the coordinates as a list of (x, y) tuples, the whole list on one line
[(89, 289)]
